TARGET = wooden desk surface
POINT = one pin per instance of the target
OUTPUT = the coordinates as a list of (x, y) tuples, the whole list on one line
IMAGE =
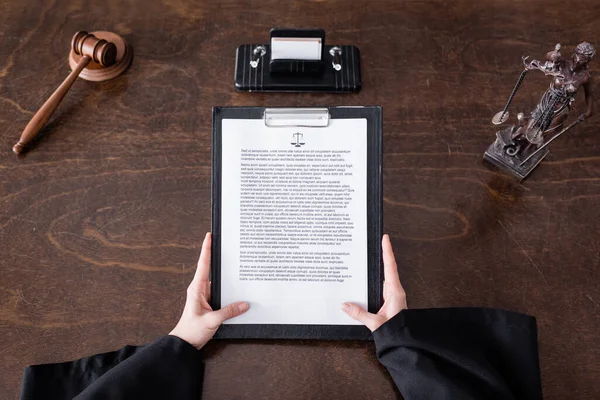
[(100, 224)]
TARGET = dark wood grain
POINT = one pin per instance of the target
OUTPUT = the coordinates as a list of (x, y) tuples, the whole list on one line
[(100, 224)]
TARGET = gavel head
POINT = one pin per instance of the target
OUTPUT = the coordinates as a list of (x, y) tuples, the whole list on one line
[(99, 50)]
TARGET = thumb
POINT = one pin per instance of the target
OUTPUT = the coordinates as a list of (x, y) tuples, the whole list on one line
[(360, 314), (231, 311)]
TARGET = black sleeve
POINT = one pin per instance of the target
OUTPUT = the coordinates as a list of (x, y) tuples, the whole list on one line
[(169, 368), (461, 353)]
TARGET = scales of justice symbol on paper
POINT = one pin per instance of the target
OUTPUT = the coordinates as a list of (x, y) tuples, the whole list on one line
[(298, 139)]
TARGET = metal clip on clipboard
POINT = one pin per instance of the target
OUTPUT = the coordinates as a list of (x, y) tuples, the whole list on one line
[(302, 117), (297, 60)]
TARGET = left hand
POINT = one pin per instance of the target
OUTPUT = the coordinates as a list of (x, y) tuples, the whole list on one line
[(199, 322)]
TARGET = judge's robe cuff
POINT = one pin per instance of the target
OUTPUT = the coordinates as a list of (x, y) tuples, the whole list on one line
[(167, 368), (461, 353)]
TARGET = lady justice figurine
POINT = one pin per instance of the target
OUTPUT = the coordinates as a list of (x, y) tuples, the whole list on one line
[(519, 149)]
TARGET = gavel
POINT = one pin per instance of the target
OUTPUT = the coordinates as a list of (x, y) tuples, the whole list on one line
[(90, 48)]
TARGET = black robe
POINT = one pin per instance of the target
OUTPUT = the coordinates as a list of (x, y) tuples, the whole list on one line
[(456, 353)]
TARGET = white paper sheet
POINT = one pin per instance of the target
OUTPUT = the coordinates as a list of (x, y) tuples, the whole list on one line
[(294, 221)]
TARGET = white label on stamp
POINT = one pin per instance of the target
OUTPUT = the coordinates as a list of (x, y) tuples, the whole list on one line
[(286, 48)]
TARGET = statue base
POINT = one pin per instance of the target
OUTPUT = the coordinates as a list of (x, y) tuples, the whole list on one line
[(509, 155)]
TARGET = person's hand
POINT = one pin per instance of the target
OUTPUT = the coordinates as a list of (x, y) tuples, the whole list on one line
[(394, 297), (199, 322)]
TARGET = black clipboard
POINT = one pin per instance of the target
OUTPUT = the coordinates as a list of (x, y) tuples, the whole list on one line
[(373, 115)]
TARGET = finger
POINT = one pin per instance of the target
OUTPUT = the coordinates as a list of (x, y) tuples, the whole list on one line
[(200, 285), (355, 311), (390, 268), (203, 270), (231, 311), (203, 267)]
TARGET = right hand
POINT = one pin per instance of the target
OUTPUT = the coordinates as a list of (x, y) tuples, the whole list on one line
[(394, 297)]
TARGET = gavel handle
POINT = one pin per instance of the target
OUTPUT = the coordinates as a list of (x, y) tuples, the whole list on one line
[(45, 112)]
